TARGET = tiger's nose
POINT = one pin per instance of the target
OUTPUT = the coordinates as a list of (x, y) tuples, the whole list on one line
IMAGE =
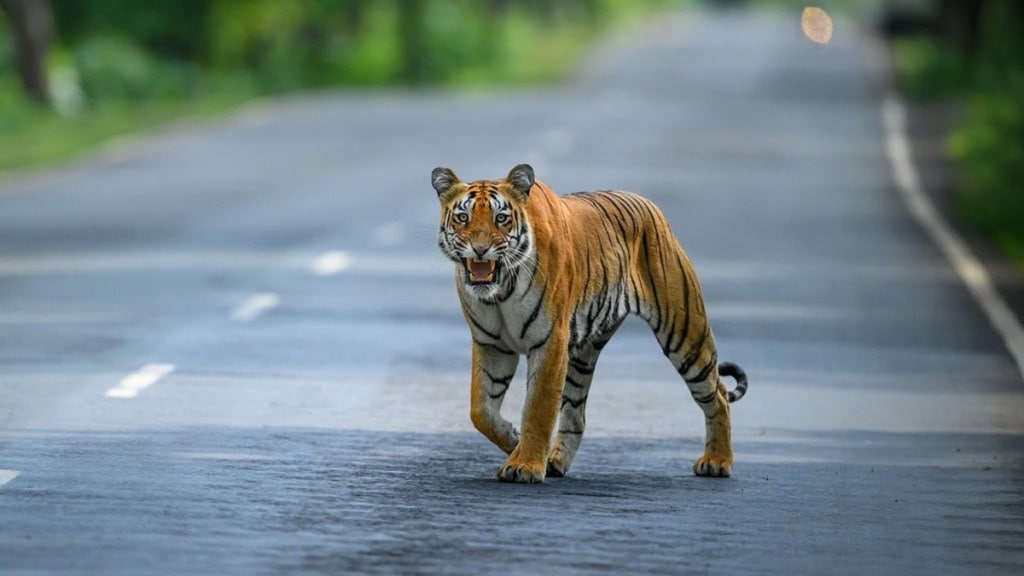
[(481, 249)]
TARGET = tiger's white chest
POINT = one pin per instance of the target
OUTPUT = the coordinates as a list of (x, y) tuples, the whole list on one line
[(519, 323)]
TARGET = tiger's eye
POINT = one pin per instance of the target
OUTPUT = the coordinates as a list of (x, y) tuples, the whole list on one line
[(501, 219), (462, 217)]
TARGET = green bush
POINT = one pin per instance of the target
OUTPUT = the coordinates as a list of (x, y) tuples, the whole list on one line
[(989, 147), (175, 29), (113, 69), (928, 68)]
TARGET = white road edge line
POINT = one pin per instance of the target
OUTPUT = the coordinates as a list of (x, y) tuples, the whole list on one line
[(331, 263), (968, 268), (7, 475), (131, 385), (255, 305)]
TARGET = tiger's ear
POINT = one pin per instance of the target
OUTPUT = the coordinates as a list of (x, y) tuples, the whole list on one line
[(443, 179), (521, 179)]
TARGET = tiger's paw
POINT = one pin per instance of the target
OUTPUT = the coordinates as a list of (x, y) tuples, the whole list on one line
[(557, 466), (713, 465), (521, 472)]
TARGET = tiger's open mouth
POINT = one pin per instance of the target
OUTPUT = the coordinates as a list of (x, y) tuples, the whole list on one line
[(480, 271)]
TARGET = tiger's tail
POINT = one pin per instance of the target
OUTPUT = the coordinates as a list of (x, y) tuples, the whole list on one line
[(730, 369)]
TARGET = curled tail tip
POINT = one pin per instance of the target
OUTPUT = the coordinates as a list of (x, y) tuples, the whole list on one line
[(737, 373)]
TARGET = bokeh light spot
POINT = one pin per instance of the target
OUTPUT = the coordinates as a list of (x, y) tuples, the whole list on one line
[(817, 25)]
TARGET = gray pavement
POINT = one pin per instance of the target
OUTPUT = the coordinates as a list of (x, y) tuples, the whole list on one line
[(327, 429)]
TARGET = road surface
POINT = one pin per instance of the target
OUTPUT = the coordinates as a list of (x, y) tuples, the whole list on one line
[(235, 349)]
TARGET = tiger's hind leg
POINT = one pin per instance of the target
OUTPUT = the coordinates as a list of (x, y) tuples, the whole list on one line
[(572, 417), (711, 396), (692, 353)]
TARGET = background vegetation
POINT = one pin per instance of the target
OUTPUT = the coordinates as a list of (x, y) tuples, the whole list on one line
[(972, 53), (111, 66)]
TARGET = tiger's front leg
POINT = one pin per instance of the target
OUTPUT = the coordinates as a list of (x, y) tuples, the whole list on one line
[(493, 370), (545, 380)]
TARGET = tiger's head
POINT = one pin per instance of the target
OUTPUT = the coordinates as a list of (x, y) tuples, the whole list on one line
[(484, 228)]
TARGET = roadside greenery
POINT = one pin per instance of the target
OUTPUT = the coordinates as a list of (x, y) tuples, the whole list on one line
[(120, 65), (984, 72)]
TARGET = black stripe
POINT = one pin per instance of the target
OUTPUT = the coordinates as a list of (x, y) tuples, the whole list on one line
[(534, 314), (503, 380), (671, 332), (635, 293), (650, 277), (620, 201), (703, 375), (586, 261), (573, 383), (686, 303), (581, 367), (706, 399), (644, 205), (541, 343), (494, 347), (620, 221), (573, 403), (588, 322), (608, 218), (481, 328), (696, 350), (573, 432)]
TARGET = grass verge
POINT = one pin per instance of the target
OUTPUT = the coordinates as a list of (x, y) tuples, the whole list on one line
[(42, 138)]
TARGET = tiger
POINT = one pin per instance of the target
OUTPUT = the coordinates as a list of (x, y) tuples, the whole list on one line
[(551, 278)]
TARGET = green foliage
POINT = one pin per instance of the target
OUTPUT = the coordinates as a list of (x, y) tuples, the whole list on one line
[(113, 69), (989, 144), (6, 55), (927, 68), (124, 64), (990, 149), (176, 29)]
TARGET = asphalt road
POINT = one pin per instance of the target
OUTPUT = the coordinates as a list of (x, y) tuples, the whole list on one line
[(305, 405)]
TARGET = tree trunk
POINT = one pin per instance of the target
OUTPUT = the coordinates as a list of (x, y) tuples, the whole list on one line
[(413, 33), (32, 27), (356, 16)]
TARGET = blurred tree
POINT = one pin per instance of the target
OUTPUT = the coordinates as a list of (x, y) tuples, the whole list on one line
[(32, 26), (177, 29), (960, 22), (356, 15), (412, 30)]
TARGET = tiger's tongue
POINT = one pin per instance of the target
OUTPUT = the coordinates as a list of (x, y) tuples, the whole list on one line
[(479, 271)]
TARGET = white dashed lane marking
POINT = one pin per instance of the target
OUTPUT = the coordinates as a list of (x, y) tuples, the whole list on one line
[(138, 381), (7, 475), (254, 306), (331, 263)]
